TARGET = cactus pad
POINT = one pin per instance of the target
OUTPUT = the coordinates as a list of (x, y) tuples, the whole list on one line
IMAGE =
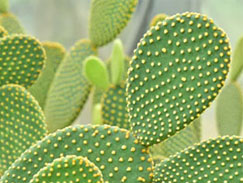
[(11, 24), (4, 6), (108, 18), (177, 70), (69, 169), (21, 123), (114, 151), (218, 160), (70, 89), (21, 60), (3, 32), (114, 107), (55, 53), (157, 18), (229, 110)]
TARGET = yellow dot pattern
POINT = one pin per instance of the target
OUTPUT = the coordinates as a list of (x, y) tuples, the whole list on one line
[(21, 60), (69, 89), (177, 70), (217, 160), (116, 152), (108, 18), (178, 142), (21, 123), (69, 169), (157, 18), (114, 107)]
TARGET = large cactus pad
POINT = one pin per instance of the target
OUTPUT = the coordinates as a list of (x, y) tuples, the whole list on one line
[(114, 151), (21, 123), (218, 160), (176, 72)]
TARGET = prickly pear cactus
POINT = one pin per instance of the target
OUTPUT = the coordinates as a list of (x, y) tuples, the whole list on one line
[(114, 107), (216, 160), (11, 23), (70, 89), (21, 123), (177, 70), (114, 151), (108, 18), (69, 169), (21, 60), (157, 18)]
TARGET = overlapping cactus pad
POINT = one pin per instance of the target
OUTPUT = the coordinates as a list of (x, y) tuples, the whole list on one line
[(3, 32), (21, 123), (114, 151), (218, 160), (69, 169), (177, 70), (108, 18), (114, 107), (21, 60)]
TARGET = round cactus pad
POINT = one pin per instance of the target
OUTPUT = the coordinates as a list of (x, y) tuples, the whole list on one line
[(177, 70), (21, 60), (218, 160), (114, 151), (69, 169), (21, 123), (114, 107), (108, 18)]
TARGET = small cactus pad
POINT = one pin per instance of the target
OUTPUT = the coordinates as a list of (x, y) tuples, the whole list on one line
[(55, 53), (176, 72), (11, 24), (117, 62), (21, 123), (69, 169), (178, 142), (21, 60), (218, 161), (114, 151), (237, 62), (96, 114), (157, 18), (4, 6), (96, 72), (108, 18), (70, 89), (229, 110), (114, 107)]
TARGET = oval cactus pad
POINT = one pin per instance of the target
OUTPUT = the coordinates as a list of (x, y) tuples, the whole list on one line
[(176, 72)]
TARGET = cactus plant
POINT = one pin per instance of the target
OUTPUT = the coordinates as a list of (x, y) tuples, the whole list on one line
[(157, 18), (178, 69)]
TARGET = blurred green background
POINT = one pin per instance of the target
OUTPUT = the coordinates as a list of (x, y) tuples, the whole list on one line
[(66, 21)]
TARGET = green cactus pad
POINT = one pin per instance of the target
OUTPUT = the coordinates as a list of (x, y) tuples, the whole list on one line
[(3, 32), (108, 18), (229, 110), (21, 123), (181, 140), (70, 89), (96, 72), (96, 114), (4, 6), (177, 70), (11, 24), (114, 107), (55, 53), (21, 60), (217, 161), (117, 62), (114, 151), (237, 62), (69, 169), (157, 18)]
